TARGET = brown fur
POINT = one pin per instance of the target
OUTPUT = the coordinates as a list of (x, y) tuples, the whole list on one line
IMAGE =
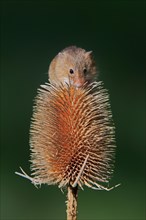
[(76, 59)]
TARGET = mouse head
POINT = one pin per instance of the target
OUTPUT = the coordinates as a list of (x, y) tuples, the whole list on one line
[(73, 66)]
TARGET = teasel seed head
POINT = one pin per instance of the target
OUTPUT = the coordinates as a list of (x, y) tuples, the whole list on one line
[(72, 136)]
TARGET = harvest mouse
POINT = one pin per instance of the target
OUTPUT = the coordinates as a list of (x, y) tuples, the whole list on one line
[(73, 66)]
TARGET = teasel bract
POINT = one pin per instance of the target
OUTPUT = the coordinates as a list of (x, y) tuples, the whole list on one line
[(72, 136)]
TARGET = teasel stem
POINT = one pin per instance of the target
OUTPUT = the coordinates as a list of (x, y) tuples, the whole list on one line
[(72, 195)]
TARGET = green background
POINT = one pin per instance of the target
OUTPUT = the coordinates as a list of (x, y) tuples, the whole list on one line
[(32, 33)]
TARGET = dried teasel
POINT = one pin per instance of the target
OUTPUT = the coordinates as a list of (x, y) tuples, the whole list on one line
[(72, 136)]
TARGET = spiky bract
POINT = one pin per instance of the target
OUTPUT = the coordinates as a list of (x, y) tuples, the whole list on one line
[(72, 136)]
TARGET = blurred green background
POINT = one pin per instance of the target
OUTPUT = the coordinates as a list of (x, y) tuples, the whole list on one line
[(32, 33)]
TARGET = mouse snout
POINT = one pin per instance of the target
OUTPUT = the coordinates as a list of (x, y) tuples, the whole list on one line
[(79, 82)]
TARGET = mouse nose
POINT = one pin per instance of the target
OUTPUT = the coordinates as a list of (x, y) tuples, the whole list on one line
[(79, 82)]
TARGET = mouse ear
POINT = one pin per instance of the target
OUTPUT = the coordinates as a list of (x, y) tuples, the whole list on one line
[(89, 53), (60, 54)]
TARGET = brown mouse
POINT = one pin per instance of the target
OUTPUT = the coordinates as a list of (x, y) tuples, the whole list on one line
[(73, 66)]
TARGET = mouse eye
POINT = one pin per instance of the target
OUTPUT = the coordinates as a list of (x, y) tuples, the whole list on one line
[(71, 71), (84, 70)]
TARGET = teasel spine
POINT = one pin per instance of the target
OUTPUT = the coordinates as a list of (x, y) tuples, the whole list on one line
[(100, 114)]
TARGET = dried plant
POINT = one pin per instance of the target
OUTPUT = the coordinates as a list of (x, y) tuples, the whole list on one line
[(72, 139), (72, 136)]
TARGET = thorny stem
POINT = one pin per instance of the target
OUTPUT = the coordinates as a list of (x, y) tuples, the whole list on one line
[(72, 195)]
